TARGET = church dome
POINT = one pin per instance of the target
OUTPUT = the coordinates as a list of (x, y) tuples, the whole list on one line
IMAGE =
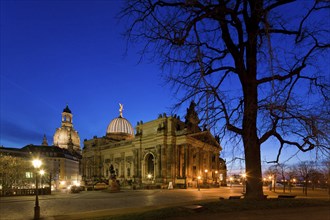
[(66, 136), (120, 128), (63, 135)]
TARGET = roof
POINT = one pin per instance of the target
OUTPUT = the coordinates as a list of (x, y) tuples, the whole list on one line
[(50, 151), (120, 125), (67, 110)]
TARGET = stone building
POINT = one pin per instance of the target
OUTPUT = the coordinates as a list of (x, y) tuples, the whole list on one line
[(62, 160), (66, 136), (161, 151)]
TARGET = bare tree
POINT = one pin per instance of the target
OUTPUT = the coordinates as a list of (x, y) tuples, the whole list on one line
[(326, 173), (252, 66), (282, 168), (273, 172), (291, 174), (305, 170)]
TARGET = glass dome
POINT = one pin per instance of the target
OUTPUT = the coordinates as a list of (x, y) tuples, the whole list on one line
[(120, 128)]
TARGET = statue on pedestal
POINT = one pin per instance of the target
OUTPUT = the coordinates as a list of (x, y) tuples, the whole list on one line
[(113, 184)]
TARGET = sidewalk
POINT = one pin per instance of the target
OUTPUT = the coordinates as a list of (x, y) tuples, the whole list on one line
[(315, 213)]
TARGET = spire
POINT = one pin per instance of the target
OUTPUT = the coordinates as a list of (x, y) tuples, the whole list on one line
[(44, 141), (192, 119), (67, 110)]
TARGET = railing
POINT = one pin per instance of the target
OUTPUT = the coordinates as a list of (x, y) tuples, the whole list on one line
[(24, 192)]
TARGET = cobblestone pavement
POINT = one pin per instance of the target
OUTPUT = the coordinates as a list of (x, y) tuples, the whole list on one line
[(61, 205)]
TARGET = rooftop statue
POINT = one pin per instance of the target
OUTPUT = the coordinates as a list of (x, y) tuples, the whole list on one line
[(121, 108)]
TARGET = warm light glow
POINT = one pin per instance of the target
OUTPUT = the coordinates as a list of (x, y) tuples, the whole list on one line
[(244, 175), (294, 180), (62, 182), (42, 172), (76, 183), (199, 177), (216, 171), (36, 163), (231, 178), (269, 177), (206, 171), (149, 176), (264, 179)]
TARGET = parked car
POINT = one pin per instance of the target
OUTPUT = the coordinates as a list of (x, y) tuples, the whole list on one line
[(75, 189), (100, 186)]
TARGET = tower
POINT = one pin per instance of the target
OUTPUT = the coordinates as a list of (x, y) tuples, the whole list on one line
[(66, 136), (44, 141), (67, 117)]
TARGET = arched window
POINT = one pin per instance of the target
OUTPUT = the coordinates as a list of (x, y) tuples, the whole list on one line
[(150, 164)]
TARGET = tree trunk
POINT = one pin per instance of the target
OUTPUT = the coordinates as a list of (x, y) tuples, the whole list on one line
[(253, 170), (251, 143), (248, 80)]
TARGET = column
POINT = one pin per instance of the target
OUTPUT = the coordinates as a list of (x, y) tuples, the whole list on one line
[(135, 163), (169, 157), (159, 160), (122, 165), (185, 160)]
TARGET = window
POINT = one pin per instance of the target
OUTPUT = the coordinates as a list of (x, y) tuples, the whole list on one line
[(213, 158), (28, 175)]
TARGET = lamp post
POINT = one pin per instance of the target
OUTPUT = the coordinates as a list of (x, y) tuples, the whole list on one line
[(41, 172), (198, 178), (271, 183), (231, 181), (206, 176), (244, 181), (149, 176), (216, 177), (36, 164)]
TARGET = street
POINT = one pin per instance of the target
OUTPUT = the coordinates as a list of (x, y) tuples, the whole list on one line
[(88, 202)]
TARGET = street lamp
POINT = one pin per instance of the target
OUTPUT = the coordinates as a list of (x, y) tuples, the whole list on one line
[(41, 172), (244, 183), (149, 176), (198, 178), (271, 183), (36, 164), (206, 175), (216, 177)]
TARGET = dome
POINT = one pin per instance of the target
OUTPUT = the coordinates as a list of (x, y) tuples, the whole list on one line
[(120, 129), (63, 135)]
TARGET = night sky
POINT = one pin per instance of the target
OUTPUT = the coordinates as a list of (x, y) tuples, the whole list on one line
[(55, 53)]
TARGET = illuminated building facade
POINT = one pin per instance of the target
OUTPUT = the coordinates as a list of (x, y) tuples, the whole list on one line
[(60, 161), (161, 152), (66, 136)]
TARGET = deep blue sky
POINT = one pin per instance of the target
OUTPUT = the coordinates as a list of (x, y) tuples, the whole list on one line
[(55, 53)]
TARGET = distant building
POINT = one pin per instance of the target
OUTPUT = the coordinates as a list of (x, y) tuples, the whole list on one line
[(165, 151), (66, 136), (60, 161), (61, 166)]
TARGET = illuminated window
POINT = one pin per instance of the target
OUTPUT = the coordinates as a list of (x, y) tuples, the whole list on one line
[(28, 175)]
